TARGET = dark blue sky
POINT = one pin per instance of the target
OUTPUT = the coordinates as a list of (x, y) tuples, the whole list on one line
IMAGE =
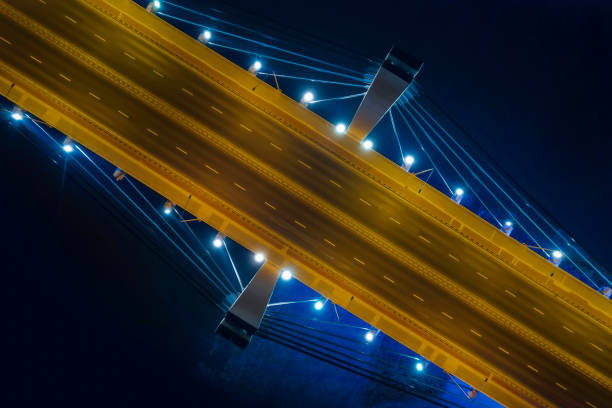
[(108, 320)]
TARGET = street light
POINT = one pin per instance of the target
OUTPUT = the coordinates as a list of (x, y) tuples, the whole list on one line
[(458, 195), (217, 242), (367, 144), (259, 257), (17, 113), (286, 274), (340, 128), (153, 6), (369, 336), (68, 146), (205, 36), (307, 98), (168, 207), (556, 257), (508, 227), (419, 366), (256, 66), (408, 162), (318, 305)]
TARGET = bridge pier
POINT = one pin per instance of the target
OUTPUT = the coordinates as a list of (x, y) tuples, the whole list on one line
[(393, 77), (244, 317)]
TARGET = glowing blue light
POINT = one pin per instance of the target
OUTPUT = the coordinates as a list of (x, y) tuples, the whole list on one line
[(409, 160), (557, 254), (207, 35), (459, 192), (367, 144), (340, 128), (257, 65), (286, 275), (259, 257), (369, 336), (318, 305), (167, 210), (68, 148), (217, 242), (308, 97), (508, 223), (17, 115), (157, 4), (419, 366)]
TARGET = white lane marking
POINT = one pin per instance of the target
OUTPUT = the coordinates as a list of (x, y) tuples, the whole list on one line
[(365, 202), (304, 164), (394, 220), (453, 257), (72, 20), (359, 261), (35, 59), (510, 293), (269, 205), (596, 346), (561, 386), (151, 131), (327, 241), (245, 128), (388, 278), (568, 329), (481, 275), (181, 150), (276, 147), (532, 368), (130, 56), (93, 95), (219, 111), (240, 187), (5, 40), (475, 332), (159, 74), (124, 114), (539, 311), (43, 2), (335, 183), (187, 91), (211, 169), (418, 297), (447, 316), (590, 405), (299, 223), (65, 78), (424, 239), (503, 350), (99, 37)]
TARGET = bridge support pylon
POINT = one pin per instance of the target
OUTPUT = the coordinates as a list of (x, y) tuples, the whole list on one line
[(244, 317), (393, 77)]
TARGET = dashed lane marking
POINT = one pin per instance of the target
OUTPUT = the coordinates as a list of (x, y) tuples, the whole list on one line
[(532, 368), (359, 261), (65, 78), (35, 59), (561, 386), (418, 297), (388, 278), (72, 20), (568, 329), (503, 350), (335, 183), (280, 149), (211, 169), (447, 316), (240, 187), (124, 114), (327, 241), (510, 293), (43, 2), (159, 74), (481, 275), (219, 111), (596, 346), (5, 40), (93, 95), (245, 128), (187, 91), (424, 239), (475, 332), (99, 37), (394, 220), (590, 405), (453, 257), (365, 202), (269, 205), (304, 164), (181, 150), (299, 223), (538, 311), (130, 56), (151, 131)]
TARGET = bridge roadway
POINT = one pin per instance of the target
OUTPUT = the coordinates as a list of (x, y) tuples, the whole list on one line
[(389, 275)]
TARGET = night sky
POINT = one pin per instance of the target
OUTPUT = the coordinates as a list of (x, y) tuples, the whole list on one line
[(109, 315)]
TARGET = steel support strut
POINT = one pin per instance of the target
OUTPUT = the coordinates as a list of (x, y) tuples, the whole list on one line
[(244, 317)]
